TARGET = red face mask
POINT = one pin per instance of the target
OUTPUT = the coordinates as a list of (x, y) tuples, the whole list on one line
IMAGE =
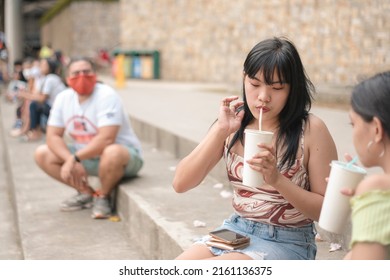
[(82, 84)]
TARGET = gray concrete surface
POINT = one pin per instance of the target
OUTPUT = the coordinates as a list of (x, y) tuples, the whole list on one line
[(9, 231), (174, 117), (157, 223), (44, 231)]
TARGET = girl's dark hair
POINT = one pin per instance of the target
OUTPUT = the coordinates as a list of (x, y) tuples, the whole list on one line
[(371, 98), (53, 66), (280, 55)]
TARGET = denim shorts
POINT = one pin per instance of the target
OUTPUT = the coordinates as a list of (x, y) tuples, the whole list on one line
[(268, 242), (131, 170)]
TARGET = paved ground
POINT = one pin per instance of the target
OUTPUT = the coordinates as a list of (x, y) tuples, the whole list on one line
[(188, 109), (34, 228), (9, 232)]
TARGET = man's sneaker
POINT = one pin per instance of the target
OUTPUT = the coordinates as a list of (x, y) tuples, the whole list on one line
[(77, 202), (101, 208)]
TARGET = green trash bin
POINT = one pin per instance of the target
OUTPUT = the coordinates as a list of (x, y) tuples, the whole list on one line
[(144, 64), (127, 66)]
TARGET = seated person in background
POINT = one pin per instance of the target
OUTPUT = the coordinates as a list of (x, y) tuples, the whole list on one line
[(32, 74), (22, 117), (370, 119), (46, 51), (16, 83), (42, 99), (103, 142)]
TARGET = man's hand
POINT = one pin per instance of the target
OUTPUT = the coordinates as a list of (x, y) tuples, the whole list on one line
[(74, 173)]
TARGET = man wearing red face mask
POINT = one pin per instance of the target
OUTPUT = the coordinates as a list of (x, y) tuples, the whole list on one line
[(102, 143)]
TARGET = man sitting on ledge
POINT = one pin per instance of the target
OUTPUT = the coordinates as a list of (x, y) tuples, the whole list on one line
[(102, 144)]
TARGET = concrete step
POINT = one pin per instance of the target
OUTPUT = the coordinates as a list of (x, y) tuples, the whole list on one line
[(164, 219), (157, 223), (9, 232), (44, 231)]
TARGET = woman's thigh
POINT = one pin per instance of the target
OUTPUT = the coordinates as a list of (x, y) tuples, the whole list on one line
[(196, 252)]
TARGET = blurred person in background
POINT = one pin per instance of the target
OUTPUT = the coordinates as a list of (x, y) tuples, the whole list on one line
[(31, 73), (48, 87), (46, 51), (4, 74), (102, 141), (16, 83)]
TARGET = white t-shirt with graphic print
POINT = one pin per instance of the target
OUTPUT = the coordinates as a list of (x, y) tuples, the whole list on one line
[(81, 121)]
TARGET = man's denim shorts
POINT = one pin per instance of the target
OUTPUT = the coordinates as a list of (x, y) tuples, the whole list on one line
[(268, 242), (132, 168)]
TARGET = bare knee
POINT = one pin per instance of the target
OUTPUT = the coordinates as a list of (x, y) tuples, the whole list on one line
[(114, 155), (40, 154), (45, 158)]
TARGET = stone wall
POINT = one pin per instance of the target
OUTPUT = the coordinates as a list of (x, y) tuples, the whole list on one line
[(340, 41), (83, 28)]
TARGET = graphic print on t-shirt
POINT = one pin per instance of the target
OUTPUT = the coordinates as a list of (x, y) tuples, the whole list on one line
[(81, 129)]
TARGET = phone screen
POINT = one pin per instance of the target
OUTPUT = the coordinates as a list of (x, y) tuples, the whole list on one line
[(227, 234)]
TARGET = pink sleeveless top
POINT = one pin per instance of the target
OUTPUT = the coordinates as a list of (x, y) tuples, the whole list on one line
[(265, 204)]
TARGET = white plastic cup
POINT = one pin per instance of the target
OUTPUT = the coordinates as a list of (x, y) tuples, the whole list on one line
[(335, 208), (254, 137)]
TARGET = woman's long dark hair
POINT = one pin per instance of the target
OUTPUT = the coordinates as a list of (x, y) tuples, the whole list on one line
[(371, 98), (53, 65), (281, 55)]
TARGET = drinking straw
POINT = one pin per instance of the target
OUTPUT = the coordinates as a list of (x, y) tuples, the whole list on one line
[(261, 118), (352, 161)]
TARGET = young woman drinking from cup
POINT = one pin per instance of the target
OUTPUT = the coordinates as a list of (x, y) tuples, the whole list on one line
[(370, 119), (278, 216)]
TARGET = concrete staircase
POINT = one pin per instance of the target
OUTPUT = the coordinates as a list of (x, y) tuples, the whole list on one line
[(156, 222)]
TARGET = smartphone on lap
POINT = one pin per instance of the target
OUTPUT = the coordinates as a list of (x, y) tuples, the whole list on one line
[(227, 239)]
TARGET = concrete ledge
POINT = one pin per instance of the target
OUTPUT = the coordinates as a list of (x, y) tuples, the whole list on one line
[(138, 205), (40, 230), (162, 139), (172, 143), (162, 220), (154, 217)]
